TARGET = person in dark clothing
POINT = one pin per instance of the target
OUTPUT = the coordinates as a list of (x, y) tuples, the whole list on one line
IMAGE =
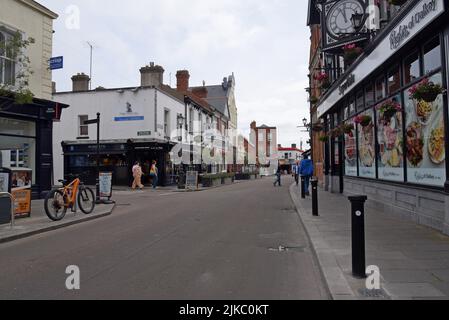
[(306, 170), (278, 177)]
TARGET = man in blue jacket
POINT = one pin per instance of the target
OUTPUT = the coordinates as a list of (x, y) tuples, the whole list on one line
[(306, 170)]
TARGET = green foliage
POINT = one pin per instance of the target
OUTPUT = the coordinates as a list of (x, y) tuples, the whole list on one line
[(15, 49)]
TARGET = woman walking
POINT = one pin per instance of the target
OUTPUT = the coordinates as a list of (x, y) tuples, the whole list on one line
[(137, 174), (154, 174)]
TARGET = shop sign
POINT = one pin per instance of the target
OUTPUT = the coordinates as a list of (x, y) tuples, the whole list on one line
[(129, 114), (143, 133), (401, 33), (56, 63), (192, 180), (105, 184)]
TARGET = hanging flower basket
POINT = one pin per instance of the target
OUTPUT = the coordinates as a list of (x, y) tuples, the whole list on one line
[(347, 128), (317, 127), (397, 2), (389, 109), (351, 53), (323, 78), (426, 90), (324, 139), (337, 132), (363, 120), (313, 100)]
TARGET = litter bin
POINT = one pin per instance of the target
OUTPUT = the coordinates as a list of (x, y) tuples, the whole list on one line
[(5, 208)]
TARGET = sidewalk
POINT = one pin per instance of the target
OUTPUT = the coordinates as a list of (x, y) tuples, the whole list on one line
[(40, 223), (413, 260)]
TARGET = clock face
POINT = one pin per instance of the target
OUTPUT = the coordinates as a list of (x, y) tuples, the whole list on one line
[(339, 17)]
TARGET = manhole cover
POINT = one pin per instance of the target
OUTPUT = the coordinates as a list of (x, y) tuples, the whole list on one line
[(378, 294)]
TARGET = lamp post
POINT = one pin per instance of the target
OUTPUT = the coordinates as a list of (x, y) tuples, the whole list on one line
[(97, 180)]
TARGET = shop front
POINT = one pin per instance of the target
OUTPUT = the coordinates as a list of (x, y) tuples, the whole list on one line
[(118, 157), (395, 143), (25, 143)]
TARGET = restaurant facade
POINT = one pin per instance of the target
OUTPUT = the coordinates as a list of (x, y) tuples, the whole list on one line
[(397, 159)]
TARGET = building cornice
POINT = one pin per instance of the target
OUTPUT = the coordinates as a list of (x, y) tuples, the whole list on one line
[(38, 7)]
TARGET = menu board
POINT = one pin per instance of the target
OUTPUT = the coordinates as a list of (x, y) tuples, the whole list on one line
[(105, 184), (192, 180), (367, 161), (426, 155), (351, 153), (390, 143)]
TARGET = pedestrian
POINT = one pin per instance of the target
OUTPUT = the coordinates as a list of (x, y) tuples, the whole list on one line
[(278, 177), (154, 174), (296, 169), (137, 174), (306, 171)]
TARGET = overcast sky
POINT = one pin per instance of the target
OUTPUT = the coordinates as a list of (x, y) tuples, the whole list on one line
[(265, 43)]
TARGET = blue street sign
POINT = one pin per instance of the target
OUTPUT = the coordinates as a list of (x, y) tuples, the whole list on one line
[(56, 63)]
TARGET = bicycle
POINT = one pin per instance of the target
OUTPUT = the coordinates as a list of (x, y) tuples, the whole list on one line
[(58, 201)]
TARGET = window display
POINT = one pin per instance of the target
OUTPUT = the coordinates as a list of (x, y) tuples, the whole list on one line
[(425, 136), (390, 140), (366, 143), (350, 151)]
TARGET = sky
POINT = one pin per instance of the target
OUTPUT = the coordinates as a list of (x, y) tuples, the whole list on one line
[(264, 43)]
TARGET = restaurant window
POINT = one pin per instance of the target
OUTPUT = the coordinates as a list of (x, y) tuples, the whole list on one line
[(83, 128), (18, 153), (380, 88), (390, 140), (425, 139), (366, 145), (412, 68), (360, 102), (432, 55), (352, 109), (394, 80), (350, 152), (369, 95)]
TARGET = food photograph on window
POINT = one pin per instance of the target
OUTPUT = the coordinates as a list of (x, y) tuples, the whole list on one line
[(426, 154), (390, 139), (350, 149), (366, 143)]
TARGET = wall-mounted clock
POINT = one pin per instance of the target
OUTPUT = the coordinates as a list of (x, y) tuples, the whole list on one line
[(339, 17)]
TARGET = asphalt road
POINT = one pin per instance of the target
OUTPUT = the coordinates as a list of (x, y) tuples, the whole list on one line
[(211, 245)]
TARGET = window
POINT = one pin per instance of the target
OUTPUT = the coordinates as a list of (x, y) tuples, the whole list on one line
[(432, 55), (7, 61), (360, 103), (380, 88), (83, 128), (369, 95), (286, 156), (191, 115), (394, 80), (412, 68), (167, 123), (17, 127), (351, 106)]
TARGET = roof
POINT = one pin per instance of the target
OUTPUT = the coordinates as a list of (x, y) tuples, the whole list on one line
[(182, 94), (37, 6), (290, 149), (217, 96), (264, 126)]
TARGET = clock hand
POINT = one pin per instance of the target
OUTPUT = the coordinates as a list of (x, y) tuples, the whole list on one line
[(343, 12)]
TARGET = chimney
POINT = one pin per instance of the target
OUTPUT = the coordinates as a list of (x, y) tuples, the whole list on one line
[(253, 125), (294, 146), (80, 82), (182, 80), (200, 92), (151, 76), (225, 83)]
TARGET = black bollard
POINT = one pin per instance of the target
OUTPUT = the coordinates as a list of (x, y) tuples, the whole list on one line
[(358, 236), (314, 183), (303, 188)]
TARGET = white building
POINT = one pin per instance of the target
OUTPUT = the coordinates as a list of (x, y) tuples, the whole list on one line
[(288, 157), (141, 123)]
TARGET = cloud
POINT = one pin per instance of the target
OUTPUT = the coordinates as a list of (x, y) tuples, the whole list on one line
[(266, 45)]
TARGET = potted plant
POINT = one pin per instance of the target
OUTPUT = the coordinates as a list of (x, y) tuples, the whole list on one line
[(363, 120), (351, 53), (426, 90), (313, 100), (317, 127), (335, 133), (347, 128), (397, 2), (323, 78), (324, 138), (389, 108)]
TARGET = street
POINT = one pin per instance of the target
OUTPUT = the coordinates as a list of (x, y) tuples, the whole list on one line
[(220, 244)]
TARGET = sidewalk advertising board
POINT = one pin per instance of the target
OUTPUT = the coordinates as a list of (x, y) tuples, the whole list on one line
[(21, 182), (5, 180), (192, 180), (105, 185)]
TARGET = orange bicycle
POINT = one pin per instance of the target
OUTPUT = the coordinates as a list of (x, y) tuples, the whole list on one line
[(58, 201)]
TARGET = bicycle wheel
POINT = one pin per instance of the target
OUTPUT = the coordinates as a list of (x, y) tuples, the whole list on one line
[(55, 205), (86, 200)]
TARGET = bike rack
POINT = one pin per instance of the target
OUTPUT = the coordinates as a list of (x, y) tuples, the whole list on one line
[(13, 215)]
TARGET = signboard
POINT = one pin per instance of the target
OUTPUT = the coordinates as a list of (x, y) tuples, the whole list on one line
[(105, 184), (192, 180), (56, 63), (5, 185), (143, 133), (122, 119), (22, 202), (21, 179)]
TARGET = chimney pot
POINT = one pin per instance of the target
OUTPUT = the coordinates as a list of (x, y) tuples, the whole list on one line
[(151, 76), (182, 79), (80, 82)]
